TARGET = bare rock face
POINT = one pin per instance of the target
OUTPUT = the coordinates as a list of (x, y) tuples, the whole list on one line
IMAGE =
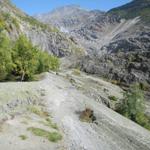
[(122, 30), (125, 68)]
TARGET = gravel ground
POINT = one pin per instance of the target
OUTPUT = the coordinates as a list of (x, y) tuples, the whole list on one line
[(63, 101)]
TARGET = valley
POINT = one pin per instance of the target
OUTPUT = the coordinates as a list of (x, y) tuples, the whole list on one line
[(75, 79)]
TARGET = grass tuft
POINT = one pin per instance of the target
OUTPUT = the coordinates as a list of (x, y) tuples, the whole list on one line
[(51, 136), (38, 111), (23, 137), (113, 98)]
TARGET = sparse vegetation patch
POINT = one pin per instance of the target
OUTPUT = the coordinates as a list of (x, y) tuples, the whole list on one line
[(113, 98), (133, 106), (38, 111), (23, 137), (51, 136), (87, 116)]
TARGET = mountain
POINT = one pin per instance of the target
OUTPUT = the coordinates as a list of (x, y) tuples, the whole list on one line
[(14, 22), (136, 8), (66, 110), (117, 42), (67, 17)]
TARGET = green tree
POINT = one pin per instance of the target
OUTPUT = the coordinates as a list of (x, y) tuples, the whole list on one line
[(47, 62), (133, 106), (133, 102), (5, 57), (24, 58)]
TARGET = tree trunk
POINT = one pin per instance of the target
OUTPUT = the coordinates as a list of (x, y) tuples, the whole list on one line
[(22, 77)]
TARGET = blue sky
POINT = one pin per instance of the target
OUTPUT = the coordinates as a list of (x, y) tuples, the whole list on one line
[(40, 6)]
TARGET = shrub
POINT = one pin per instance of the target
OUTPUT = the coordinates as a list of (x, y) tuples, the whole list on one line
[(23, 137), (47, 62), (133, 106), (113, 98), (87, 115), (24, 58)]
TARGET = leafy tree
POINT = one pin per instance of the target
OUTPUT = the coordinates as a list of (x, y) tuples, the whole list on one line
[(5, 57), (133, 102), (24, 58), (47, 62)]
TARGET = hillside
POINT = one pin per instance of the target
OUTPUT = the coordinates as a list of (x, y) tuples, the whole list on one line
[(31, 105), (110, 39), (76, 106), (136, 8), (14, 22)]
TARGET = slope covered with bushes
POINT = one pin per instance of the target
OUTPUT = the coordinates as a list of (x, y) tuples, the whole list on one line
[(21, 60)]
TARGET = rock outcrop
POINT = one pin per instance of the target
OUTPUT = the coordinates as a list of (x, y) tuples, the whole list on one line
[(105, 35)]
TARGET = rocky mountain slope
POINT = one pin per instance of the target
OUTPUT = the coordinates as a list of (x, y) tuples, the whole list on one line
[(26, 106), (49, 114), (117, 46), (14, 22)]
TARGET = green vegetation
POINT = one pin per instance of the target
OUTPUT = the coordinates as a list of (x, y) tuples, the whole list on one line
[(23, 137), (7, 22), (113, 98), (21, 60), (37, 23), (2, 23), (5, 57), (51, 136), (38, 111), (49, 123), (133, 106)]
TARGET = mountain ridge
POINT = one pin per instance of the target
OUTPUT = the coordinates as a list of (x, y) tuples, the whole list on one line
[(66, 110), (48, 38), (105, 36)]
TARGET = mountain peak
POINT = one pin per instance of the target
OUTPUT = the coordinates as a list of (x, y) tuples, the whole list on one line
[(136, 8)]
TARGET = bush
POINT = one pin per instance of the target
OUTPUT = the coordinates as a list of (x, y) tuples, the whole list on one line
[(22, 60), (113, 98), (5, 57), (133, 106), (47, 62)]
